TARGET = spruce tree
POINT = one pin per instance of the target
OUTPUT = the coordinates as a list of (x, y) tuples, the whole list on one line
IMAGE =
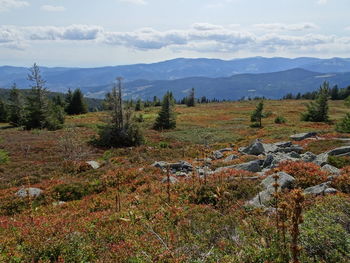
[(16, 107), (257, 114), (37, 102), (77, 104), (191, 101), (317, 111), (3, 111), (166, 117), (39, 111)]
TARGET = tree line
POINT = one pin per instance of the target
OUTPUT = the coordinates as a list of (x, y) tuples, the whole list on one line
[(35, 110)]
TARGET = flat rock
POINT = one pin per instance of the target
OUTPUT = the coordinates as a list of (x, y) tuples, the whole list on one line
[(252, 166), (308, 157), (94, 165), (317, 189), (331, 169), (303, 136), (31, 192), (231, 158), (345, 150)]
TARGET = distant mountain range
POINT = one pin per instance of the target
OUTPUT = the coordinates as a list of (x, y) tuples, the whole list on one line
[(230, 79)]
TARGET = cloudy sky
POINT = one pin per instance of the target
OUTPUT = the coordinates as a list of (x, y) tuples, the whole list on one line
[(89, 33)]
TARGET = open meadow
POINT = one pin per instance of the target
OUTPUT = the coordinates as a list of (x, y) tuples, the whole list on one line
[(127, 210)]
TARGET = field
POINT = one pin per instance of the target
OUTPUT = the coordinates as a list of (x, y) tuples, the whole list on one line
[(78, 218)]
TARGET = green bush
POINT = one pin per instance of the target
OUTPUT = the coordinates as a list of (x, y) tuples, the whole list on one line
[(76, 191), (280, 120), (339, 161), (344, 125), (4, 157), (325, 233), (111, 136)]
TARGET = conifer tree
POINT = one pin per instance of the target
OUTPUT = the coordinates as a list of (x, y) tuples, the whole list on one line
[(257, 114), (191, 101), (3, 111), (120, 131), (166, 117), (77, 104), (317, 111), (138, 106), (39, 111), (16, 107)]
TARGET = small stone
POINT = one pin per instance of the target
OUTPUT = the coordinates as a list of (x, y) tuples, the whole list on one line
[(172, 180), (94, 165), (31, 192), (231, 158)]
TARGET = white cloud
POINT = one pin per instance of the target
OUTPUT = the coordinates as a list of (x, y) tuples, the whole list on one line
[(52, 8), (6, 5), (322, 2), (136, 2), (200, 37), (286, 27)]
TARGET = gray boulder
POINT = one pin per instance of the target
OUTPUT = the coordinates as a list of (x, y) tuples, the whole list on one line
[(292, 148), (29, 192), (331, 169), (262, 198), (175, 167), (317, 189), (218, 155), (303, 136), (284, 180), (294, 155), (256, 148), (321, 159), (94, 165), (252, 166), (330, 191), (308, 157), (268, 161), (160, 164), (231, 158), (341, 151)]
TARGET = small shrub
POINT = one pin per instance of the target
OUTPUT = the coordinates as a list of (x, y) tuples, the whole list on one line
[(306, 174), (325, 233), (76, 191), (4, 157), (344, 125), (280, 120), (267, 114), (163, 145), (339, 161), (342, 182), (112, 136)]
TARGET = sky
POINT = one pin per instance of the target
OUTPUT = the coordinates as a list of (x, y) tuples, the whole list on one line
[(91, 33)]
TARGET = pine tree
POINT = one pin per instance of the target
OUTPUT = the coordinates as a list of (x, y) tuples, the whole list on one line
[(138, 106), (77, 104), (16, 107), (166, 117), (318, 111), (120, 131), (3, 111), (191, 101), (257, 114)]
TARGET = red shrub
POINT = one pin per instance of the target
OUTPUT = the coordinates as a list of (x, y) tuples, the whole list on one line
[(306, 174)]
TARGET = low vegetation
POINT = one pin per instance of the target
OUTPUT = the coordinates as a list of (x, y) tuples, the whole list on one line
[(127, 210)]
